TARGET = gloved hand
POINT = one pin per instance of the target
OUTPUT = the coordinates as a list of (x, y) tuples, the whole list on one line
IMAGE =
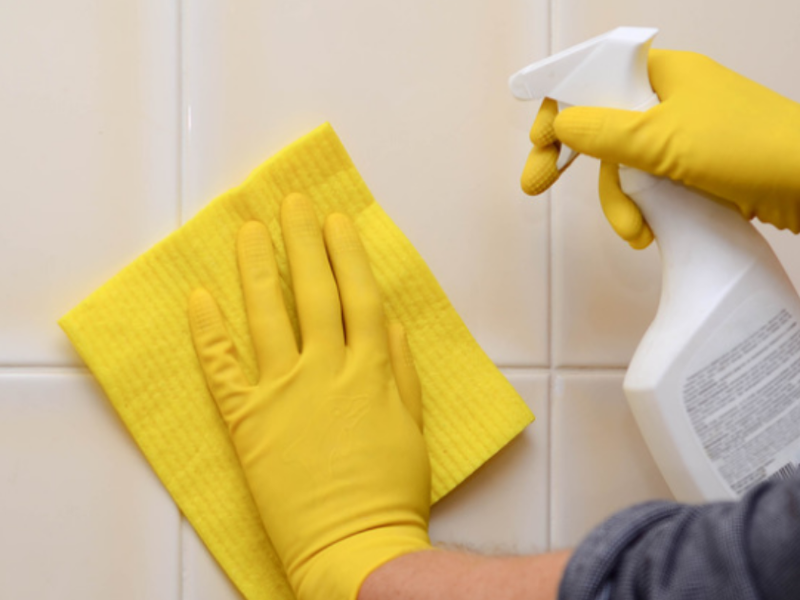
[(330, 437), (714, 130)]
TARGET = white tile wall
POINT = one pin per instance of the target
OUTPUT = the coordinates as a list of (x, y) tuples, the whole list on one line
[(119, 120), (89, 138), (203, 578), (417, 91), (502, 508), (604, 294), (82, 514), (600, 463)]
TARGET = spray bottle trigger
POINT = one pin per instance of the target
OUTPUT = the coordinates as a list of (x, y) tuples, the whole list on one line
[(565, 157), (567, 154)]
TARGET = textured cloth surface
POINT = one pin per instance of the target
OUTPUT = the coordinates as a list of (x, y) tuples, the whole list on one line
[(133, 333), (745, 550)]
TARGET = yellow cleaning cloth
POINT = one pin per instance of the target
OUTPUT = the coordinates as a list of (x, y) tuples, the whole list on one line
[(133, 333)]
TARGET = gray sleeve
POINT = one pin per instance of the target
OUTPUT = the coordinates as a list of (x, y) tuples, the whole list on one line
[(745, 550)]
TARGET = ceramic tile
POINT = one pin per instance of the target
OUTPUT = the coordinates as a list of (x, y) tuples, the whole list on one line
[(83, 516), (203, 578), (503, 507), (762, 45), (89, 119), (424, 109), (605, 294), (600, 462)]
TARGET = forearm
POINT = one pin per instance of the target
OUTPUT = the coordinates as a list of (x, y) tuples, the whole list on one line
[(445, 575)]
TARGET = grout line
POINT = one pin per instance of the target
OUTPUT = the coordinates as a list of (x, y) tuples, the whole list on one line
[(550, 329), (564, 370), (572, 370), (12, 369), (182, 549), (551, 363), (184, 122), (523, 370), (184, 110), (43, 370)]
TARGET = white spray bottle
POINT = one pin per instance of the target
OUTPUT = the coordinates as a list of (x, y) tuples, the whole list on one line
[(715, 383)]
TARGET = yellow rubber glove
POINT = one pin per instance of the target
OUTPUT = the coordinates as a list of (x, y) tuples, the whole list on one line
[(714, 130), (541, 172), (330, 437)]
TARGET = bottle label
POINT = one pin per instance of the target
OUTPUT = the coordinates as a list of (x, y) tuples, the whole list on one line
[(744, 404)]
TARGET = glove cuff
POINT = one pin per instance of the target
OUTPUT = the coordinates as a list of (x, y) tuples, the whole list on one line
[(337, 572)]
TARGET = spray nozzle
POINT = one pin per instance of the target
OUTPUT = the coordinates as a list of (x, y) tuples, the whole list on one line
[(609, 70)]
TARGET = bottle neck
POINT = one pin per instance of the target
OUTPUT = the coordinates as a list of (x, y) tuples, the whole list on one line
[(706, 245)]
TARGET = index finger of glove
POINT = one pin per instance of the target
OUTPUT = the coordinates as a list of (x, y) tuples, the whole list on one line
[(270, 328), (541, 170), (362, 305), (316, 294), (542, 132), (622, 137)]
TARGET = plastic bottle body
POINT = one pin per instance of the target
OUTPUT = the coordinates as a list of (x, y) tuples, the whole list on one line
[(715, 383)]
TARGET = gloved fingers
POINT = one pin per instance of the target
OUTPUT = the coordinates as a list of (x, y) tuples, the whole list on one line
[(405, 373), (542, 132), (540, 171), (216, 352), (270, 328), (610, 134), (316, 294), (622, 213), (643, 240), (362, 305)]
